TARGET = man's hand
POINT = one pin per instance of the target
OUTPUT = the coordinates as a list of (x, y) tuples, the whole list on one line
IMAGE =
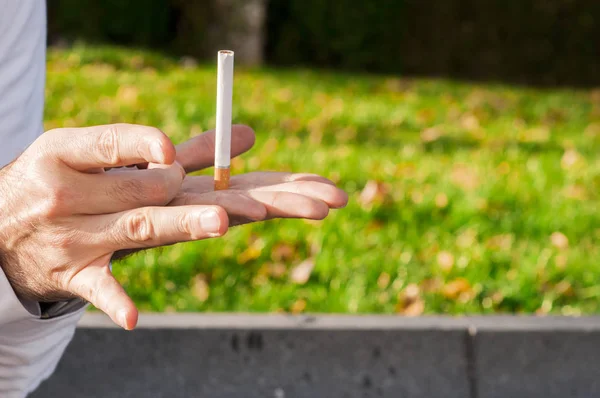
[(62, 217), (255, 196)]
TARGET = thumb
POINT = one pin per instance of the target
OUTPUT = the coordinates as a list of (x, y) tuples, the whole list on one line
[(96, 284)]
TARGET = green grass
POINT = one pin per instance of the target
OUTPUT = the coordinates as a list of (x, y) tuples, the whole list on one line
[(475, 188)]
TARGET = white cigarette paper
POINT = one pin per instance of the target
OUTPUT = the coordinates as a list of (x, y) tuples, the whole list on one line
[(224, 105)]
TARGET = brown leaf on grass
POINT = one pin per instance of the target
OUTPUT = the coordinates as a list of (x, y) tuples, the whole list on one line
[(410, 302), (200, 287), (283, 252), (431, 285), (559, 240), (373, 192), (465, 177), (273, 270), (570, 158), (277, 270), (253, 251), (454, 289), (298, 307), (128, 95), (445, 261), (431, 134), (301, 273), (415, 308), (469, 122), (384, 280), (441, 200)]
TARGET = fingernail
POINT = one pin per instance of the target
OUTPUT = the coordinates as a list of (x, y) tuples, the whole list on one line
[(157, 152), (122, 319), (211, 222)]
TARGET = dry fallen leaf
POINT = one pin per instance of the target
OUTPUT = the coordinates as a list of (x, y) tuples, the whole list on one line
[(559, 240), (251, 253), (298, 307), (373, 192), (410, 302), (431, 134), (283, 252), (465, 177), (200, 287), (415, 308), (431, 285), (384, 280), (441, 200), (127, 95), (469, 122), (454, 289), (301, 273), (570, 158), (445, 260)]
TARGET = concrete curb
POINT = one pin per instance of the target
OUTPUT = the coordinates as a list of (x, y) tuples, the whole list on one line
[(222, 356)]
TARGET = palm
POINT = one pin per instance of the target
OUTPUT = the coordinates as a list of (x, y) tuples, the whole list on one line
[(254, 196)]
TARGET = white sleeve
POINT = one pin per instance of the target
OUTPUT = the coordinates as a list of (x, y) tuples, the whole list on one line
[(30, 347)]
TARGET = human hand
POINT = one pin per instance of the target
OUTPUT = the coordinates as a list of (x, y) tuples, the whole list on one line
[(62, 217), (254, 196)]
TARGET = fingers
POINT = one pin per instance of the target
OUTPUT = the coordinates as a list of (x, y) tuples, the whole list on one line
[(236, 203), (199, 152), (109, 146), (334, 197), (124, 189), (96, 284), (290, 205), (158, 226)]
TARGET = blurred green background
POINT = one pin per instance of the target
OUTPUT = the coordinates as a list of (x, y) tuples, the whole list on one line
[(466, 195)]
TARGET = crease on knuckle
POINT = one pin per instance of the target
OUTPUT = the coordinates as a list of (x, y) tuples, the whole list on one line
[(108, 146), (140, 228), (183, 224)]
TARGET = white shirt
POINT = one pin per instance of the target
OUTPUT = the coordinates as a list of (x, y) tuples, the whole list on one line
[(30, 347)]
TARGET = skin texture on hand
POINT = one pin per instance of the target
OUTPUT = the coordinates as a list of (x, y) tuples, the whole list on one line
[(62, 217)]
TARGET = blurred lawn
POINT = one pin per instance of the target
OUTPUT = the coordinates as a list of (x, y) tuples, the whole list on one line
[(465, 198)]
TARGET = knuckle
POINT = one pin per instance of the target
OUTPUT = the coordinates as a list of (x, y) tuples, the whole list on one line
[(139, 227), (108, 146), (55, 201), (184, 224), (64, 240)]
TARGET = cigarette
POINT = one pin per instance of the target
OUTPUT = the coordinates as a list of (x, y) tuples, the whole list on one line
[(223, 134)]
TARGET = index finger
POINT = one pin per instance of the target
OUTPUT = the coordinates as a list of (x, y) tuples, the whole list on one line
[(110, 146)]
